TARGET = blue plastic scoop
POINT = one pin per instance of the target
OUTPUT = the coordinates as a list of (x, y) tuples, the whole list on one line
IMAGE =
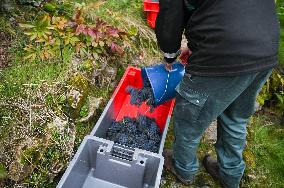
[(163, 82)]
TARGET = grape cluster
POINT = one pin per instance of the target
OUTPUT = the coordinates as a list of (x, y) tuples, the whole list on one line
[(137, 96), (142, 132)]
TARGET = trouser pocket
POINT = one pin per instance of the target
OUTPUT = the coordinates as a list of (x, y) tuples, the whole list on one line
[(189, 104)]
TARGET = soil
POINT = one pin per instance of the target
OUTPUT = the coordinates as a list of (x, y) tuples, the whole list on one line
[(211, 132)]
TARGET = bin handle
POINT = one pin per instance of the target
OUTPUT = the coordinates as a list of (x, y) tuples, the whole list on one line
[(122, 152)]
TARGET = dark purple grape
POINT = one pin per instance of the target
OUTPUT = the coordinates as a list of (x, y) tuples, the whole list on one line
[(141, 132), (138, 96)]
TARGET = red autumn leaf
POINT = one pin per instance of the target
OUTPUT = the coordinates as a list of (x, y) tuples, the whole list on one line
[(115, 48), (91, 32), (78, 17), (99, 36), (78, 14), (100, 24), (95, 34), (111, 31), (81, 29)]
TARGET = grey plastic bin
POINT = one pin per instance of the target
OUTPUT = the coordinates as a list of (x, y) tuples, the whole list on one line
[(100, 163)]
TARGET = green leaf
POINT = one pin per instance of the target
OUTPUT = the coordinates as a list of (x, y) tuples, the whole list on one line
[(28, 33), (26, 26), (30, 57), (49, 7), (73, 40), (98, 50), (133, 31), (101, 43), (280, 97), (50, 27), (33, 36)]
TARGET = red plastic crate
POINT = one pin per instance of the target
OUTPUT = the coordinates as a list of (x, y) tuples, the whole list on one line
[(151, 18), (122, 107), (151, 6), (152, 9)]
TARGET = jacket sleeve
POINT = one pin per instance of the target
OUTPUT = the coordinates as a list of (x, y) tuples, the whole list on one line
[(170, 24)]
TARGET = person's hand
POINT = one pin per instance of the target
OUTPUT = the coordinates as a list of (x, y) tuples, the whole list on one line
[(169, 59), (168, 63), (185, 53), (168, 66)]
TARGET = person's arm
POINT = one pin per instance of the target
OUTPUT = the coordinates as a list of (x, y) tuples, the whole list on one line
[(170, 24)]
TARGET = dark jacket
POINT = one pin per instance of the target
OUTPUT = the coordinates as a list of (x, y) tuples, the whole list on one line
[(227, 37)]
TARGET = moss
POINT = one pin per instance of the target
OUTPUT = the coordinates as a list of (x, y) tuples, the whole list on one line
[(86, 66), (49, 99), (3, 172), (280, 9), (249, 159), (84, 110), (79, 82), (6, 27), (50, 152), (82, 129), (264, 153), (30, 155), (47, 157), (14, 77), (120, 72), (170, 136)]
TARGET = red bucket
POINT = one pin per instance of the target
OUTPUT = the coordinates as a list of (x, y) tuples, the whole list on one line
[(151, 18), (152, 9), (151, 6)]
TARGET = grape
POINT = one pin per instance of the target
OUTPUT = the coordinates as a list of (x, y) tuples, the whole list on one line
[(137, 96), (141, 132)]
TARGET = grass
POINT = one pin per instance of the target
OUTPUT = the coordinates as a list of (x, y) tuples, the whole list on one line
[(281, 51), (264, 155), (23, 72), (267, 146), (12, 81), (20, 74), (6, 27), (280, 9), (3, 172)]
